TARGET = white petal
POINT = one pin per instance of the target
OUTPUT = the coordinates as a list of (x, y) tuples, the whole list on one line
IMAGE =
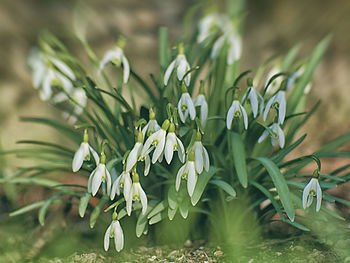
[(280, 136), (127, 186), (263, 136), (169, 147), (282, 108), (204, 113), (306, 194), (126, 71), (46, 92), (148, 143), (206, 159), (190, 106), (90, 181), (78, 159), (115, 188), (181, 102), (97, 179), (143, 199), (180, 150), (108, 181), (129, 202), (118, 237), (147, 165), (254, 102), (192, 179), (179, 176), (267, 107), (95, 155), (245, 117), (182, 67), (168, 72), (318, 196), (133, 156), (217, 46), (160, 146), (108, 57), (107, 237), (229, 116), (63, 68), (198, 156)]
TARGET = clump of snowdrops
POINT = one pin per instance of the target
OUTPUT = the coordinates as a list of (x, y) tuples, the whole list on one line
[(166, 145)]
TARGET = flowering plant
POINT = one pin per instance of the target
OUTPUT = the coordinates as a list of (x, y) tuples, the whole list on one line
[(201, 105)]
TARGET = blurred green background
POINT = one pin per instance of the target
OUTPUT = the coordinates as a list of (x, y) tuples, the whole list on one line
[(271, 28)]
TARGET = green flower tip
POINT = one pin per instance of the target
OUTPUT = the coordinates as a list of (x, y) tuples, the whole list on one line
[(135, 178), (250, 82), (139, 136), (198, 136), (201, 87), (181, 48), (191, 156), (86, 136), (121, 42), (152, 114), (165, 125), (103, 158), (283, 85), (316, 174), (184, 88), (172, 127), (114, 215)]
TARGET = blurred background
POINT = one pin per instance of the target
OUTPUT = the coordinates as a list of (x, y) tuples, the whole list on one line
[(271, 28)]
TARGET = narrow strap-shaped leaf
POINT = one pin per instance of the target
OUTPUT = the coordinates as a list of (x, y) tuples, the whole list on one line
[(283, 153), (202, 182), (84, 201), (157, 218), (224, 186), (184, 207), (45, 206), (239, 159), (97, 210), (27, 208), (49, 144), (289, 58), (280, 184), (158, 208), (142, 219)]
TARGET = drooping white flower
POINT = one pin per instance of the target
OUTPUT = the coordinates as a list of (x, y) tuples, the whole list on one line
[(157, 141), (114, 231), (208, 24), (277, 135), (293, 77), (202, 103), (123, 181), (278, 102), (187, 172), (255, 99), (201, 155), (236, 111), (117, 57), (232, 38), (185, 106), (83, 154), (98, 176), (173, 143), (181, 66), (135, 153), (136, 194), (152, 125), (62, 67), (311, 190)]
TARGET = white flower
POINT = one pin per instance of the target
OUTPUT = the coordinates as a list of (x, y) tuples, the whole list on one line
[(181, 66), (276, 83), (172, 144), (207, 25), (187, 172), (277, 135), (62, 67), (277, 102), (152, 125), (233, 40), (292, 78), (185, 106), (255, 99), (157, 141), (135, 153), (201, 155), (202, 103), (123, 181), (236, 111), (83, 154), (98, 176), (114, 230), (117, 57), (312, 189), (136, 194)]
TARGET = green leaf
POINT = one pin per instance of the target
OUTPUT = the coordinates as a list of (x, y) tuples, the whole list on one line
[(224, 186), (239, 159), (172, 197), (158, 208), (155, 219), (31, 180), (142, 219), (97, 210), (280, 184), (283, 153), (297, 225), (184, 207), (84, 201), (202, 182), (289, 58), (163, 49), (27, 208), (45, 206), (171, 213)]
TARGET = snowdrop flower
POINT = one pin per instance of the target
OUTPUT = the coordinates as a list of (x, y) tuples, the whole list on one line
[(233, 40), (123, 181), (172, 144), (202, 103), (276, 83), (312, 189), (292, 78), (135, 153), (152, 125), (277, 102), (187, 172), (236, 111), (63, 67), (201, 155), (114, 231), (117, 57), (83, 154), (277, 135), (255, 99), (181, 66), (98, 176), (136, 194), (185, 106), (157, 141), (208, 24)]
